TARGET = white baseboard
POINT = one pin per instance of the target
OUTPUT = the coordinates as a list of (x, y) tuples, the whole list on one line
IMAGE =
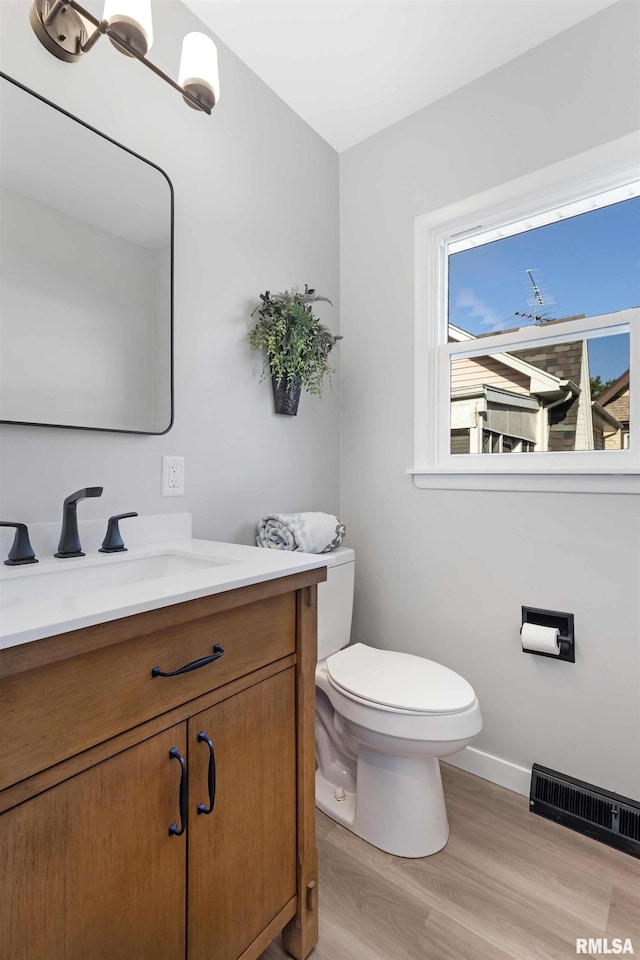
[(495, 769)]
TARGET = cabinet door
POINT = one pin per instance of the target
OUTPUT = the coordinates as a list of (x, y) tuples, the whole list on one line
[(242, 855), (88, 870)]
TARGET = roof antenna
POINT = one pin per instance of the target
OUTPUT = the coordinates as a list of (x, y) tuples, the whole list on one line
[(538, 301)]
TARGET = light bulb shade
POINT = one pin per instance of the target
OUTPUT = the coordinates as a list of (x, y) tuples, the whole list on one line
[(131, 20), (199, 68)]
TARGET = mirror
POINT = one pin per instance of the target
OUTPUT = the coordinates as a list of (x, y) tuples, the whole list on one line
[(86, 275), (561, 397)]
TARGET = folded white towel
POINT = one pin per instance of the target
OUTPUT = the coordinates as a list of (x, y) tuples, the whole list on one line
[(308, 532)]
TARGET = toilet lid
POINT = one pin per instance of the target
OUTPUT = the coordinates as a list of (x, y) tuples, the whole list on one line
[(399, 680)]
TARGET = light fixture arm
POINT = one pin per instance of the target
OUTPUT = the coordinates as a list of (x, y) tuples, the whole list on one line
[(64, 35)]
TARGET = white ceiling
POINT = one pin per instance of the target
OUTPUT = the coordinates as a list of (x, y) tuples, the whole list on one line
[(352, 67)]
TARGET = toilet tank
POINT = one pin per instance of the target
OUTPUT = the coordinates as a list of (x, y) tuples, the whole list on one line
[(335, 602)]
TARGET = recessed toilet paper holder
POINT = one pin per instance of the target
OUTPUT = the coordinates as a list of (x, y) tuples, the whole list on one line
[(562, 622)]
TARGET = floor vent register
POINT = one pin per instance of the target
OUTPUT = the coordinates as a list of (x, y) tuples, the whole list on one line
[(598, 813)]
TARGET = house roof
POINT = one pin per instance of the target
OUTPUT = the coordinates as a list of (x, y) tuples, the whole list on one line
[(562, 360), (606, 416), (545, 381), (614, 390)]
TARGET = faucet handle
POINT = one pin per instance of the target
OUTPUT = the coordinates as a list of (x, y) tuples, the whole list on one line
[(113, 542), (21, 550)]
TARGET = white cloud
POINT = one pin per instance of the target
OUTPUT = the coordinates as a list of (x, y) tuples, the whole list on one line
[(489, 318)]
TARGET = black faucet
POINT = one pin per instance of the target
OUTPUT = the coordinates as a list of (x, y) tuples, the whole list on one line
[(69, 545), (21, 549)]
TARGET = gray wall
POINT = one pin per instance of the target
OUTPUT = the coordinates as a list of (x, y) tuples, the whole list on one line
[(438, 573), (256, 194), (444, 573)]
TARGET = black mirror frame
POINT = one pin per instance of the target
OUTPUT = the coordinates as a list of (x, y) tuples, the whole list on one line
[(88, 126)]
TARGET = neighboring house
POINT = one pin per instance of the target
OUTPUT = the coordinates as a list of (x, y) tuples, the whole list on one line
[(614, 401), (526, 401)]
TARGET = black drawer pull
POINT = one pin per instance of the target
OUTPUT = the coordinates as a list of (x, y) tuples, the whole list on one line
[(194, 665), (203, 738), (174, 753)]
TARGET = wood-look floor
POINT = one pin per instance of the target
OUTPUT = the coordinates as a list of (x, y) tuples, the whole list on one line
[(509, 885)]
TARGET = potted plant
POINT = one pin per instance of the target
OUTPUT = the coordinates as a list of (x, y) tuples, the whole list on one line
[(296, 345)]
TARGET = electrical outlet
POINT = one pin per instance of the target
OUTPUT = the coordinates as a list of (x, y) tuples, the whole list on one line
[(173, 476)]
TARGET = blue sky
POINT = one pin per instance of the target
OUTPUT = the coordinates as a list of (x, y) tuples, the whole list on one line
[(588, 264)]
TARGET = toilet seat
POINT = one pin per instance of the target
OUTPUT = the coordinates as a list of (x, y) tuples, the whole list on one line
[(398, 682)]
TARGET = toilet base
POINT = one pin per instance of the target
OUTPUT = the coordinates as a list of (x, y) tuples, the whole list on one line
[(398, 805), (337, 803)]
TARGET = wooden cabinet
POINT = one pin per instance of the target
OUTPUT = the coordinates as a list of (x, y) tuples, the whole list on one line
[(89, 865), (245, 849), (100, 759)]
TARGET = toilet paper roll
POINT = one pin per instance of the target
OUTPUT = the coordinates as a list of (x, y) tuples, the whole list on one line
[(540, 639)]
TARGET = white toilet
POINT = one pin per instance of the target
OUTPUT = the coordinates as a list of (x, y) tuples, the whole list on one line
[(382, 720)]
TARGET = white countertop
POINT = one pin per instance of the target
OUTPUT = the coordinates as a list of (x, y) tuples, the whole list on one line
[(42, 600)]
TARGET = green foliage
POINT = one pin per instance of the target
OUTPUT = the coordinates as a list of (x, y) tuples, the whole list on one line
[(598, 387), (295, 342)]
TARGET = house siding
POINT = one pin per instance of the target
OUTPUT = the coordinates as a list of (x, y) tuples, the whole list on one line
[(619, 408), (478, 371)]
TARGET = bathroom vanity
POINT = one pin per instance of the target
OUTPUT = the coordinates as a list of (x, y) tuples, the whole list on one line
[(153, 812)]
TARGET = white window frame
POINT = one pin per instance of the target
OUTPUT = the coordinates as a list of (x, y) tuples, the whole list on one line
[(571, 181)]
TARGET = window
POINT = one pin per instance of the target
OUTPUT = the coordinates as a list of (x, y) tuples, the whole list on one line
[(528, 330)]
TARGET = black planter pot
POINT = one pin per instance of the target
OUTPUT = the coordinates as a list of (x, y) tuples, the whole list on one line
[(285, 398)]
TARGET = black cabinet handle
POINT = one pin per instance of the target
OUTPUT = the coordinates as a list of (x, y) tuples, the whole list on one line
[(174, 753), (194, 665), (203, 738)]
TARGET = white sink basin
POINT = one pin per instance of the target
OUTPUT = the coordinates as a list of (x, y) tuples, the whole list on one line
[(36, 584), (57, 596)]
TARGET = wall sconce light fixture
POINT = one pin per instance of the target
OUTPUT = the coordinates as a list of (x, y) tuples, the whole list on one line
[(60, 26)]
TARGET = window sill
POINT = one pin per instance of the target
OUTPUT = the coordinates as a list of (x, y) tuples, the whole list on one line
[(531, 482)]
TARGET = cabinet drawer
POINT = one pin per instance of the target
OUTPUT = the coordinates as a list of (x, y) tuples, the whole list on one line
[(53, 712)]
